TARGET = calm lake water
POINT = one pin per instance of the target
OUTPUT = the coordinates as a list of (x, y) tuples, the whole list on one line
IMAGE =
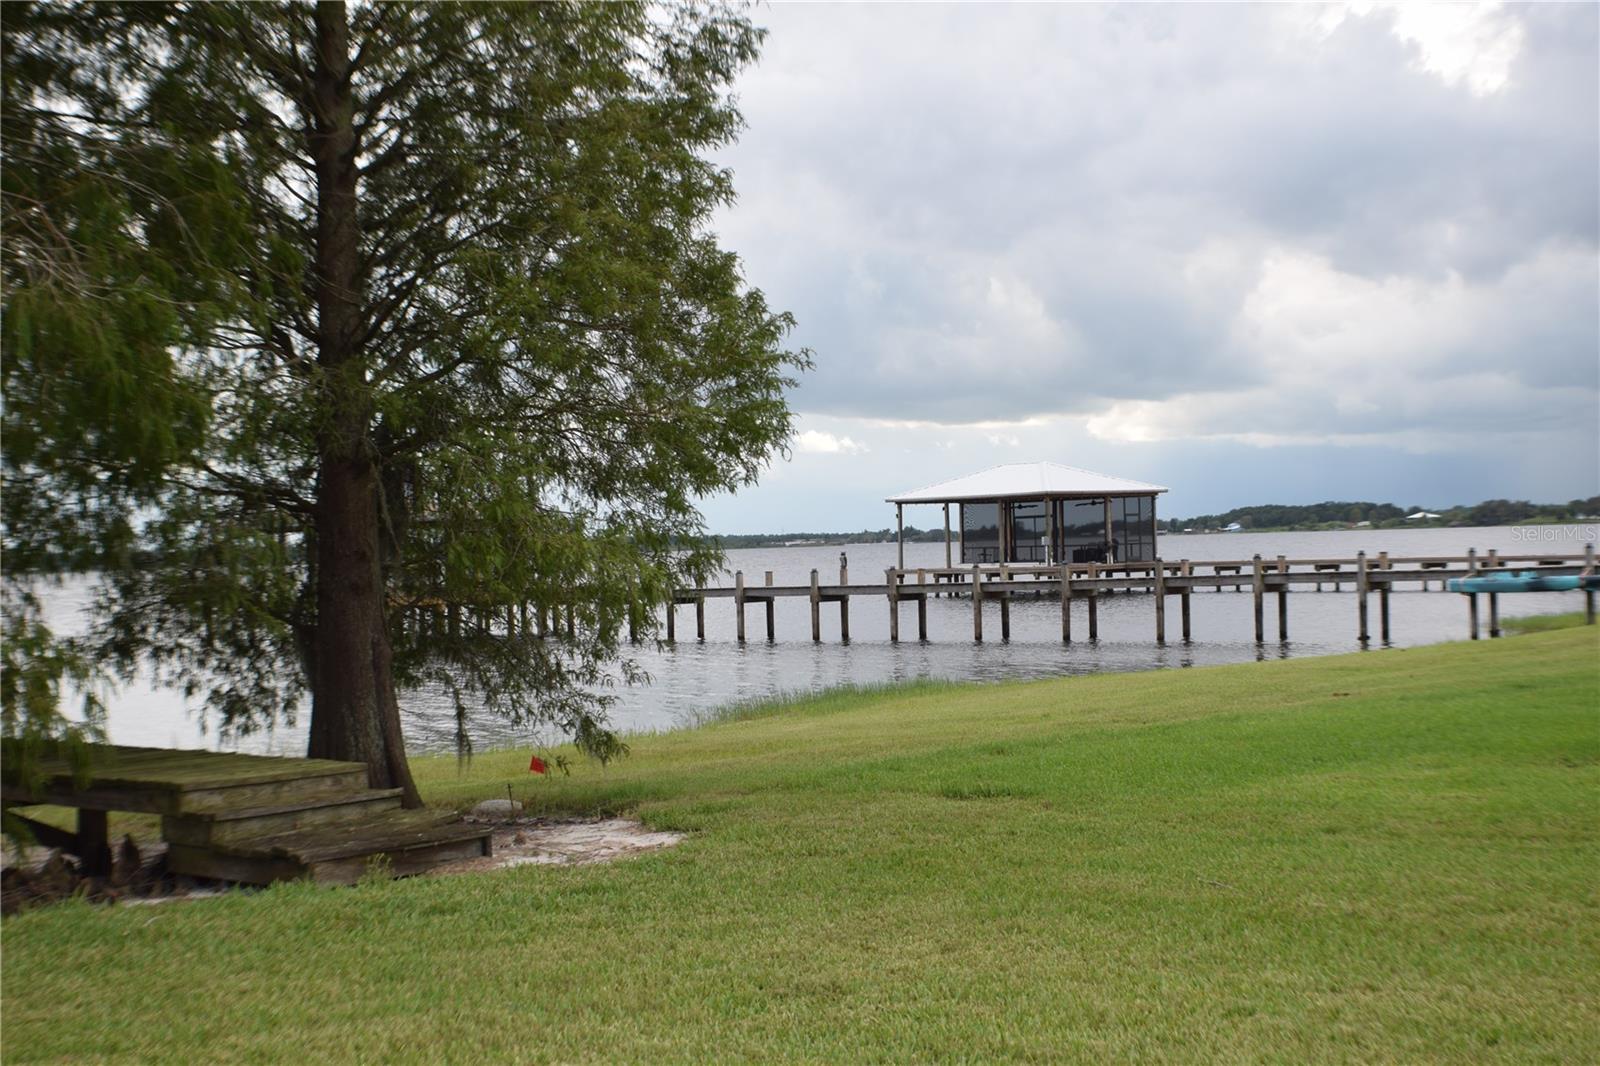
[(692, 679)]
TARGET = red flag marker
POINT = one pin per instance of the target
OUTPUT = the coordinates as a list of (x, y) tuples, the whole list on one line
[(536, 765)]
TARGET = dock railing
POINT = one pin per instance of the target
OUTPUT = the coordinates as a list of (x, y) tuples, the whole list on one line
[(999, 582)]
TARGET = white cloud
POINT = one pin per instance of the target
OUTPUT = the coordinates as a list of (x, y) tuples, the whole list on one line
[(817, 442), (1472, 44), (1475, 44)]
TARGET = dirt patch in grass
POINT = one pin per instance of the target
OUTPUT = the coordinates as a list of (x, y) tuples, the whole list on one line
[(563, 842)]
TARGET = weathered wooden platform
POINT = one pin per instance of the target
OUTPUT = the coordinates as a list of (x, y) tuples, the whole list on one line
[(997, 583), (249, 818)]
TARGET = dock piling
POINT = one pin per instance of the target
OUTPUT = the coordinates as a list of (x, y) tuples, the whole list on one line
[(1161, 601), (1283, 601), (1066, 605), (772, 627), (1257, 589), (1494, 600), (1472, 597), (1183, 599), (1361, 598), (700, 618), (1383, 599), (816, 610), (977, 605), (738, 604), (1094, 606), (894, 604), (844, 601), (922, 607)]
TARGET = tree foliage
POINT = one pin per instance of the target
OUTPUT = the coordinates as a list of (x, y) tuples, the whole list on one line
[(290, 274)]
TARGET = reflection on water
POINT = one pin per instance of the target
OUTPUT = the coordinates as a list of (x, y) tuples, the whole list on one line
[(692, 679)]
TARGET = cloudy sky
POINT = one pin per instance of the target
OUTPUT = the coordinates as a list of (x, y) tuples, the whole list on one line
[(1255, 253)]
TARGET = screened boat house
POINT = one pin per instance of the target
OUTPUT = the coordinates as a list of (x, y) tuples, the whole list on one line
[(1043, 514)]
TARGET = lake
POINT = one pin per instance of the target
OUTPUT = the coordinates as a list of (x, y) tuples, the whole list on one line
[(691, 680)]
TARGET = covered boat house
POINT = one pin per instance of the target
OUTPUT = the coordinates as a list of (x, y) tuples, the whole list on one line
[(1041, 514)]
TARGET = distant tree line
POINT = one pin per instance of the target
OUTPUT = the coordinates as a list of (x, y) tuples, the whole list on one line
[(865, 536), (1333, 514)]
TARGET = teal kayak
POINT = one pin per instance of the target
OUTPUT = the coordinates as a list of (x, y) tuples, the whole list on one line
[(1526, 581)]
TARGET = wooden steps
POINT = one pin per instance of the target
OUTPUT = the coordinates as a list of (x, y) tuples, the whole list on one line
[(208, 827), (397, 842), (254, 818)]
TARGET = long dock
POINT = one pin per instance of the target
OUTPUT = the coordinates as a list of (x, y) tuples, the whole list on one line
[(1368, 577)]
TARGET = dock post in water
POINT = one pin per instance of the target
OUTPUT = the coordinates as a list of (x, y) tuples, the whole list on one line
[(1005, 608), (738, 604), (1257, 590), (844, 602), (672, 621), (1183, 598), (1472, 597), (772, 621), (922, 607), (1494, 600), (1094, 605), (977, 605), (894, 604), (1383, 599), (1066, 605), (1362, 633), (1161, 601), (1283, 601), (700, 618), (816, 611)]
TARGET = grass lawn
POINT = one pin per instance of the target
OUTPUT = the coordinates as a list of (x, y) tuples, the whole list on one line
[(1384, 856), (1542, 623)]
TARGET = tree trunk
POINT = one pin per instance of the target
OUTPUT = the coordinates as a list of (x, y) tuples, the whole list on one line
[(354, 712)]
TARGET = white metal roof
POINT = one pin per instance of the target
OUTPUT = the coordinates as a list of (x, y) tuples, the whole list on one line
[(1027, 481)]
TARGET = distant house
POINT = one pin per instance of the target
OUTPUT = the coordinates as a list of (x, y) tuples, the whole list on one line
[(1420, 515), (1042, 513)]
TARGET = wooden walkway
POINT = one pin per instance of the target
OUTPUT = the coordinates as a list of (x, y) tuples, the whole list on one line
[(1365, 576), (249, 818)]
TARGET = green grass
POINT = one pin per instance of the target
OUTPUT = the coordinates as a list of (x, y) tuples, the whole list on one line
[(1542, 623), (1386, 856)]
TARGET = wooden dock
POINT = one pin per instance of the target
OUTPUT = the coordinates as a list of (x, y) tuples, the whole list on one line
[(248, 818), (1367, 577)]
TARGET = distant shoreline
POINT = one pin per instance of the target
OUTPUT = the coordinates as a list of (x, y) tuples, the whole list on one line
[(1262, 518)]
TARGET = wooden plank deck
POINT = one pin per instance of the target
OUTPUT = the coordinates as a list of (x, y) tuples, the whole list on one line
[(1364, 575), (250, 818), (174, 781)]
